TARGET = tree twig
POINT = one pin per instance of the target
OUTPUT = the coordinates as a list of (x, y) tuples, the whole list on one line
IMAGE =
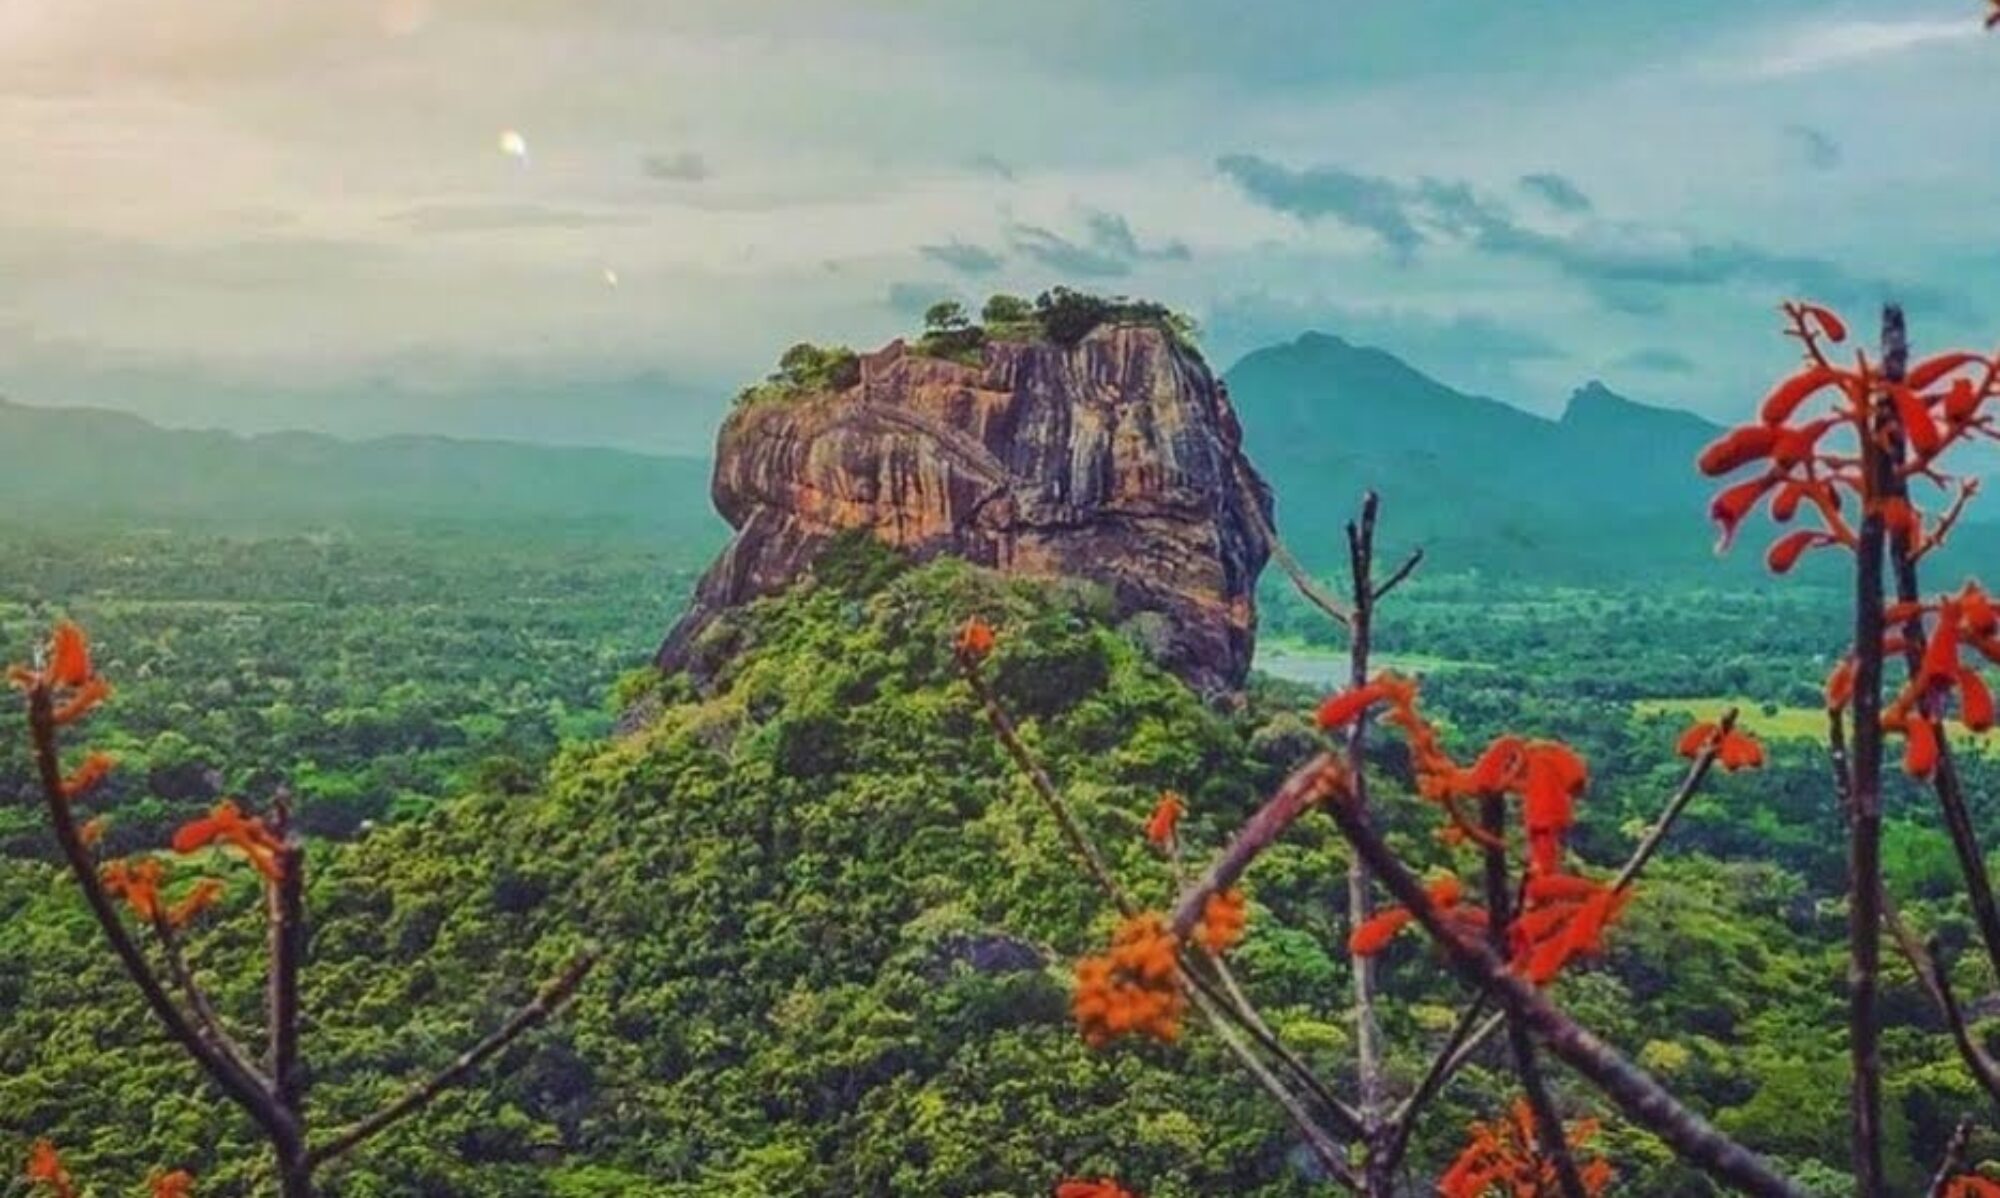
[(206, 1020), (1953, 1161), (1935, 978), (551, 1000)]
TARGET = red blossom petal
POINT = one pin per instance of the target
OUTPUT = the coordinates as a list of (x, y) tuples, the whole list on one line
[(1786, 550), (1738, 447), (1975, 701), (1787, 396), (1930, 370), (1831, 325)]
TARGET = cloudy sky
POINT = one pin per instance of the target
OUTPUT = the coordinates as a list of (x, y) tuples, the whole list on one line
[(300, 213)]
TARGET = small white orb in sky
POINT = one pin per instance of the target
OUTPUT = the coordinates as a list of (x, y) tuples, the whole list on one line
[(513, 145), (610, 277)]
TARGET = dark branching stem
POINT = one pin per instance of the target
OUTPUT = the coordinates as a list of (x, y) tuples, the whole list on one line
[(1934, 975), (1360, 887), (1403, 1122), (1549, 1134), (206, 1019), (1464, 1043), (241, 1085), (1864, 815), (1643, 1099), (1953, 1161), (546, 1005), (1212, 998)]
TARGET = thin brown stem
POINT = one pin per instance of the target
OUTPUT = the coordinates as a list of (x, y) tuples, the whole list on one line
[(1307, 786), (242, 1087), (1466, 1036), (1636, 1093), (547, 1003), (1656, 835), (1324, 1149), (1360, 887), (1045, 789), (205, 1018), (1934, 976), (285, 923), (1952, 1163)]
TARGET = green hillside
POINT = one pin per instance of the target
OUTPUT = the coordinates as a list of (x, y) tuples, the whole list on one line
[(91, 464)]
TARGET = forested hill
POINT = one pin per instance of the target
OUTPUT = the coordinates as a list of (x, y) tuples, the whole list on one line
[(93, 463), (1500, 487)]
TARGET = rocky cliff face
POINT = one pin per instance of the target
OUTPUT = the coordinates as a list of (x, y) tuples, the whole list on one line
[(1117, 460)]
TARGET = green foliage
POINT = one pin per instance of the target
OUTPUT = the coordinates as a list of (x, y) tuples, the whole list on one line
[(858, 563), (807, 369)]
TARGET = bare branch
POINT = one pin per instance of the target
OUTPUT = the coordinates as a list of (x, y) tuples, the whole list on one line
[(1467, 1035), (1328, 1153), (1397, 575), (1691, 783), (551, 1000), (285, 922), (1953, 1161), (1306, 787), (207, 1021), (1045, 789), (1935, 978)]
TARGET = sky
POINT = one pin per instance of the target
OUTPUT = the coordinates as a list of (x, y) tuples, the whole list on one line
[(593, 221)]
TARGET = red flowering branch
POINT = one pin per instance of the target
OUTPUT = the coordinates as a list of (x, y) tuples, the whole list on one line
[(62, 689), (1548, 1127), (1642, 1098), (1361, 887)]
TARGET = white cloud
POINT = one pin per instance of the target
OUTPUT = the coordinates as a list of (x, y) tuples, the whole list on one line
[(1821, 45)]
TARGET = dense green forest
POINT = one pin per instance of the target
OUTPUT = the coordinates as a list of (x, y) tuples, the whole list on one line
[(837, 931)]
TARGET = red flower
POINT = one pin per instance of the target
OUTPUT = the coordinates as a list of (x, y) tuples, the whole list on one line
[(975, 640), (203, 896), (1166, 819), (1134, 989), (137, 881), (1504, 1158), (178, 1184), (83, 701), (95, 768), (1840, 684), (1563, 917), (1103, 1187), (69, 656), (1971, 1185), (248, 836), (45, 1170), (1223, 919), (1554, 776), (1738, 750), (1447, 894), (1343, 709), (1737, 448)]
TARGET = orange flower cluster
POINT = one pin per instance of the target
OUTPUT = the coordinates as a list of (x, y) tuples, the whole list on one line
[(1971, 1185), (1967, 618), (137, 881), (1737, 750), (46, 1173), (975, 640), (1223, 920), (1103, 1187), (178, 1184), (1502, 1159), (247, 835), (1447, 894), (1165, 820), (1546, 776), (1562, 917), (68, 675), (1133, 989), (1938, 403)]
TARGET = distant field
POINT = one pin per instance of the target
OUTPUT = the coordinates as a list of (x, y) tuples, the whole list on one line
[(1780, 723)]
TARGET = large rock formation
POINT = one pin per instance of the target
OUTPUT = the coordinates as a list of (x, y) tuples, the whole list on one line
[(1117, 459)]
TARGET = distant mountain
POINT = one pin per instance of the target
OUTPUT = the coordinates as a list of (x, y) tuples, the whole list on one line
[(1494, 485), (93, 464)]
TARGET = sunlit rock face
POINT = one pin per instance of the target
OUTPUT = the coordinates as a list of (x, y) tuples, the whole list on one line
[(1117, 460)]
